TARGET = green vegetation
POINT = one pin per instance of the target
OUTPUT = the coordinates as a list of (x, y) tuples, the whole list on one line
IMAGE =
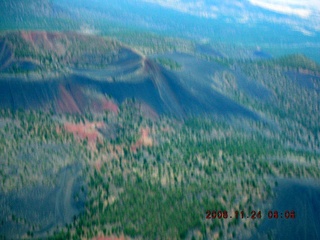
[(169, 63), (31, 147), (297, 61), (151, 43), (41, 52), (292, 105), (151, 177), (193, 166), (160, 187)]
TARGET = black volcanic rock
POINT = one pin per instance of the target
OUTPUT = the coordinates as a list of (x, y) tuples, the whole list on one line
[(73, 73)]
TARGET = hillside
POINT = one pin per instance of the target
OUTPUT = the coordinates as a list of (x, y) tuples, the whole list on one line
[(71, 72), (159, 119), (98, 140)]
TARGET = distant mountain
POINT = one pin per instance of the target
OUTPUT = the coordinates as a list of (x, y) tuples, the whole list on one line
[(278, 28)]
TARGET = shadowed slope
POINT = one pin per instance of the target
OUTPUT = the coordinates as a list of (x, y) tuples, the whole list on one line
[(73, 73)]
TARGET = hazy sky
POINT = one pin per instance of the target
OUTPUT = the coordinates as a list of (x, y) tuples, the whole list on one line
[(302, 15), (300, 8)]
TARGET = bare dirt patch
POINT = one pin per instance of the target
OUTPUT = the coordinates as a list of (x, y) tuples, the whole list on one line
[(109, 238), (110, 106), (144, 140), (85, 131)]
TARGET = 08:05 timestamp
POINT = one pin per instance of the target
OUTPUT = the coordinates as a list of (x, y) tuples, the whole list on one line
[(250, 215)]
